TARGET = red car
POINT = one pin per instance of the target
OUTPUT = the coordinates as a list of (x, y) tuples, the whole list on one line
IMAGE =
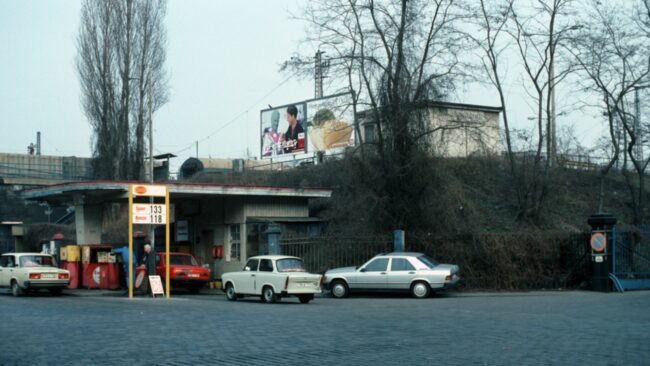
[(184, 271)]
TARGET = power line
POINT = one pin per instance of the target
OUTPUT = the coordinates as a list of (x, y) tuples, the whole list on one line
[(234, 119)]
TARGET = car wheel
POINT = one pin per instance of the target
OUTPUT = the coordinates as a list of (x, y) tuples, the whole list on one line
[(268, 295), (305, 299), (420, 290), (15, 289), (231, 295), (340, 289), (56, 291)]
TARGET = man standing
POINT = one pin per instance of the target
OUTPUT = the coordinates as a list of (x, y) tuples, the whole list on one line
[(294, 138), (149, 263)]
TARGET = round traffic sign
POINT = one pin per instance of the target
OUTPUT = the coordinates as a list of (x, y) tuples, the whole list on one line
[(598, 242)]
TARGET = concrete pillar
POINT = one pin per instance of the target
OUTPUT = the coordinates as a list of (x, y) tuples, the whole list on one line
[(88, 222), (243, 250), (398, 240), (273, 234)]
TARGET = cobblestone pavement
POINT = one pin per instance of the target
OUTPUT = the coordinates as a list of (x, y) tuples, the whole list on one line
[(534, 328)]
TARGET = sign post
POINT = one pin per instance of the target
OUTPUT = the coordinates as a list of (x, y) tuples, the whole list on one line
[(598, 244), (150, 214), (602, 243)]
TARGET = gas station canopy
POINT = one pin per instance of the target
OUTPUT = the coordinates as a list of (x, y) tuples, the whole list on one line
[(118, 191)]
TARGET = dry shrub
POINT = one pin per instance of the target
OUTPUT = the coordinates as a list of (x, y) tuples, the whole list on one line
[(37, 233), (511, 261), (116, 230)]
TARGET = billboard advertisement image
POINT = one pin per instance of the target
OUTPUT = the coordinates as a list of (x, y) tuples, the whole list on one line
[(284, 131), (330, 123)]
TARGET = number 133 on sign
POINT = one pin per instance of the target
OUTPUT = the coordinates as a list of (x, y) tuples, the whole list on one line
[(149, 214)]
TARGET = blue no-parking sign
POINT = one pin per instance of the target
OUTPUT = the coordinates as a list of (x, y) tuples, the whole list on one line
[(598, 242)]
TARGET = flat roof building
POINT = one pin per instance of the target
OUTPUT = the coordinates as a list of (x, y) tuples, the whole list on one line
[(245, 221)]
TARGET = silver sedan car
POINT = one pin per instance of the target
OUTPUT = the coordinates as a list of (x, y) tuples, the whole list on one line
[(397, 271)]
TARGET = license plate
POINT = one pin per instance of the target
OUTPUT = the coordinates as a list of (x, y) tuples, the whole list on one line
[(48, 275), (194, 275)]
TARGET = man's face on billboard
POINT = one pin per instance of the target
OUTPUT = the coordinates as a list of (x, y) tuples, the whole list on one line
[(291, 119)]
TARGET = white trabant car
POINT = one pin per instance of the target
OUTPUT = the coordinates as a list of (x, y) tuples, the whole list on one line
[(272, 277), (25, 272)]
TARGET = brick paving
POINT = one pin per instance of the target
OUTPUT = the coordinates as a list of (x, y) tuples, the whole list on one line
[(534, 328)]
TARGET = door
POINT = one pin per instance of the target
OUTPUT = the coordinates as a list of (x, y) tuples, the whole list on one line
[(401, 274), (8, 262), (4, 270), (373, 275), (246, 281), (264, 275)]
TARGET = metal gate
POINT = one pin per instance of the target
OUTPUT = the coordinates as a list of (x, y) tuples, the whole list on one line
[(631, 259), (323, 253)]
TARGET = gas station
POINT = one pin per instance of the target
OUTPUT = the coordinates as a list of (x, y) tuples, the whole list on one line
[(220, 225)]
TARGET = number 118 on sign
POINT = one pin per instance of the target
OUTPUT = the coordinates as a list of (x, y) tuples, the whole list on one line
[(149, 214)]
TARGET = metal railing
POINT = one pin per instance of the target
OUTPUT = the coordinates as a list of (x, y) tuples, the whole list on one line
[(58, 171), (631, 257), (323, 253)]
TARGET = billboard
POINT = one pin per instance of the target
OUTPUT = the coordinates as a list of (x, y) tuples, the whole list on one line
[(330, 122), (283, 131), (324, 124)]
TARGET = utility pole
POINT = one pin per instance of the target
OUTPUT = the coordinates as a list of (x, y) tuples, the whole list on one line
[(197, 149), (150, 140), (318, 74), (552, 145), (637, 127), (151, 180)]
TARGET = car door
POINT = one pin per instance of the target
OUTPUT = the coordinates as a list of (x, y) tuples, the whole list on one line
[(372, 276), (265, 275), (8, 269), (160, 266), (245, 282), (4, 270), (401, 274)]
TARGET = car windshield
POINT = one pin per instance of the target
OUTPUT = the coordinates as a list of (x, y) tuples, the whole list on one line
[(428, 261), (37, 261), (290, 265), (182, 260)]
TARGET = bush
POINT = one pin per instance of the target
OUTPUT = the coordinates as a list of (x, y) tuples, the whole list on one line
[(37, 233), (512, 261)]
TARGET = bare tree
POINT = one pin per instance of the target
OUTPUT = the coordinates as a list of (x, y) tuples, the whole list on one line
[(492, 24), (95, 63), (533, 33), (121, 44), (538, 36), (612, 56), (393, 57)]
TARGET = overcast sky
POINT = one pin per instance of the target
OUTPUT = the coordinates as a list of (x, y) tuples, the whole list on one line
[(223, 59)]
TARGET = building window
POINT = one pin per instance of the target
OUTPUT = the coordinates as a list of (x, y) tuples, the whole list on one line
[(235, 243)]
